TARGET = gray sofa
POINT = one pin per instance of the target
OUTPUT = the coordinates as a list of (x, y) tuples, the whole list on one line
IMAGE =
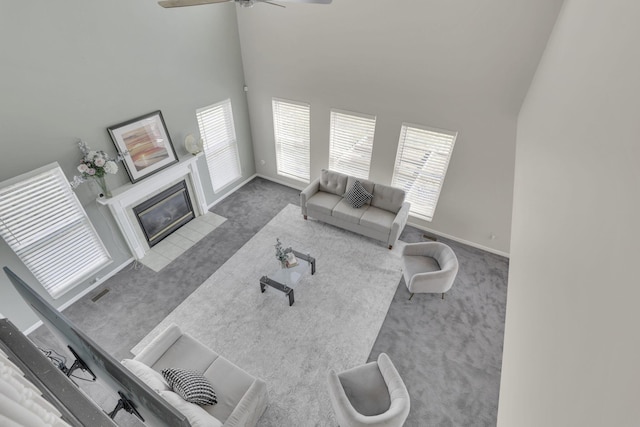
[(242, 398), (382, 218)]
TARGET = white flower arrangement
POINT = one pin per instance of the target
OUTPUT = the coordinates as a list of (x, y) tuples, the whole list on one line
[(281, 253), (95, 165)]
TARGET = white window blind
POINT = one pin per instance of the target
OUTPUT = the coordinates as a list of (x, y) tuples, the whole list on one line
[(421, 165), (292, 136), (351, 143), (219, 143), (44, 223)]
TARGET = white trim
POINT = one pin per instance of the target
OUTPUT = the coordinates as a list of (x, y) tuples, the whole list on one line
[(420, 227), (285, 183), (81, 294), (459, 240), (124, 197), (230, 192)]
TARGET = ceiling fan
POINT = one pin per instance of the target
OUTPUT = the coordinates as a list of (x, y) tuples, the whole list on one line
[(243, 3)]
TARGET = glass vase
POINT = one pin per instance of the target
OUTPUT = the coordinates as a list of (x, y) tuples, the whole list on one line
[(102, 183)]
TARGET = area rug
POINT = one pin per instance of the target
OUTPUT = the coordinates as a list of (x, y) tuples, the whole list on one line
[(333, 323)]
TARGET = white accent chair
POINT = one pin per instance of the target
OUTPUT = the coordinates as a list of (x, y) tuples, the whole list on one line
[(429, 267), (369, 395)]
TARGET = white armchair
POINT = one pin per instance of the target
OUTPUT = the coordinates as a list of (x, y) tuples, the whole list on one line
[(371, 395), (429, 267)]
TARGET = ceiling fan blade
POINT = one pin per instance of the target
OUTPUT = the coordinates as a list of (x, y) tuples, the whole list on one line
[(182, 3)]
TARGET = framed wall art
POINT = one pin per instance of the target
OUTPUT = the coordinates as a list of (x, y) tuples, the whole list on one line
[(145, 145)]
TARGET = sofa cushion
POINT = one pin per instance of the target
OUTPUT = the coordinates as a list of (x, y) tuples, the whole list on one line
[(231, 383), (186, 353), (387, 198), (368, 185), (323, 202), (357, 196), (377, 219), (192, 386), (346, 212), (196, 415), (333, 182), (148, 376)]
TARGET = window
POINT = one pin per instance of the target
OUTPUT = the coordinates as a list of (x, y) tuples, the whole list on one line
[(45, 225), (219, 143), (351, 143), (421, 164), (291, 132)]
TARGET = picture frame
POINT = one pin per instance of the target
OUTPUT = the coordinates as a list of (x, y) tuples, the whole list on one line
[(145, 144)]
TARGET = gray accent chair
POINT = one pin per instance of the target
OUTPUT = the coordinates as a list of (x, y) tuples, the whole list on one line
[(382, 218), (429, 267), (242, 398), (369, 395)]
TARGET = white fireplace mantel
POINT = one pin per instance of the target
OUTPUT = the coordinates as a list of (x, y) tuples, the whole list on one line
[(129, 195)]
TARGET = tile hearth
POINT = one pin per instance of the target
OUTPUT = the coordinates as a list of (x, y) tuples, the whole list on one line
[(159, 256)]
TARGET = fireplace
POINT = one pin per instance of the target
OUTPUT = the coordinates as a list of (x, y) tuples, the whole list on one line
[(164, 213)]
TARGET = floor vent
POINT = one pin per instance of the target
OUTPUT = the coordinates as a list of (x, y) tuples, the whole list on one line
[(426, 236), (100, 295)]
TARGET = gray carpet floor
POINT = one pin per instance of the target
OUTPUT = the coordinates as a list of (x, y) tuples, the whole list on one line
[(449, 352)]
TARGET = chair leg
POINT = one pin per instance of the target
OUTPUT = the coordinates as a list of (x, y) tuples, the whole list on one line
[(305, 217), (411, 297), (443, 295), (390, 246)]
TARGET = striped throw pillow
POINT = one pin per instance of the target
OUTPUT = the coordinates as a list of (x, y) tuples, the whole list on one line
[(192, 386)]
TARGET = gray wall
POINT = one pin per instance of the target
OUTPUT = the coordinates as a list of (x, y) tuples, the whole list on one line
[(70, 69), (571, 346), (454, 64)]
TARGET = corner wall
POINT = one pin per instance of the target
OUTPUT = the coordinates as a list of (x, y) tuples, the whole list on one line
[(71, 69), (457, 65), (572, 345)]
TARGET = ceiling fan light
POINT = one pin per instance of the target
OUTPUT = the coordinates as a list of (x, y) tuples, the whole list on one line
[(246, 3)]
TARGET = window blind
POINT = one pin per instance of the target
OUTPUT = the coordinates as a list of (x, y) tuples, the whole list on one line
[(219, 143), (292, 137), (351, 143), (421, 165), (44, 223)]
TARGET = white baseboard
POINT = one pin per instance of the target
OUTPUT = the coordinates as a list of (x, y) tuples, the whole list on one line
[(459, 240), (81, 294), (233, 190), (300, 187), (447, 236)]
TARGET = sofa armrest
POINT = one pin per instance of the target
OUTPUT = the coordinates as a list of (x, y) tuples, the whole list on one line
[(251, 406), (309, 191), (159, 345), (398, 223)]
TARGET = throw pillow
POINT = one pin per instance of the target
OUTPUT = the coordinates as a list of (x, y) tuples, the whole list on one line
[(357, 196), (192, 386)]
